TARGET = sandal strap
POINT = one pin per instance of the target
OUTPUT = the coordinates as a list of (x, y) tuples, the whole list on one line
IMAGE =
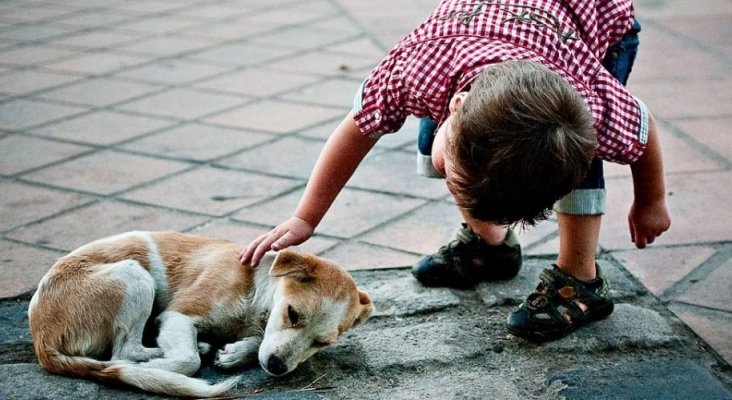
[(557, 291)]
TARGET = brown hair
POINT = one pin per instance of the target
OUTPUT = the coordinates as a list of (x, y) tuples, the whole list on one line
[(522, 139)]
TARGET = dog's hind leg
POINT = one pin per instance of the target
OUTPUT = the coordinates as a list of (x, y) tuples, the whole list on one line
[(178, 340), (133, 313)]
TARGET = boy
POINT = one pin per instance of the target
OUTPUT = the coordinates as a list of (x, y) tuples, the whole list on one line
[(523, 102)]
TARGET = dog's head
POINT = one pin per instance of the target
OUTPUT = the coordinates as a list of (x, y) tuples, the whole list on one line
[(316, 302)]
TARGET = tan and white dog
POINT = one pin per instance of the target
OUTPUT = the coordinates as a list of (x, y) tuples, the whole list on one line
[(96, 302)]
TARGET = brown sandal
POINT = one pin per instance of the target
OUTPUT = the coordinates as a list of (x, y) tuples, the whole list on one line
[(553, 310)]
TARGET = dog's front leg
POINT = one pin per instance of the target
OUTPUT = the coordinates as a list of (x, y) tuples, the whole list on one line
[(238, 353), (178, 339)]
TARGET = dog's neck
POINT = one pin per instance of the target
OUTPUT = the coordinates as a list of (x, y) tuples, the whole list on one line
[(265, 287)]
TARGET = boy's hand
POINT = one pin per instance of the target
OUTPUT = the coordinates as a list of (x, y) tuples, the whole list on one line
[(289, 233), (648, 221)]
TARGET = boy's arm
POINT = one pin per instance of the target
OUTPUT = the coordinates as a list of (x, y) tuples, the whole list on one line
[(342, 153), (649, 216)]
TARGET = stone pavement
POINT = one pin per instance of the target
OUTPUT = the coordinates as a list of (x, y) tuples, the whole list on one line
[(207, 116)]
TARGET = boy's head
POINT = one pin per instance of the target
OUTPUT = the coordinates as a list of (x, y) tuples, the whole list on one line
[(521, 139)]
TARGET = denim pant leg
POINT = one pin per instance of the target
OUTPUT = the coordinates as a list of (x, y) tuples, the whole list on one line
[(589, 197)]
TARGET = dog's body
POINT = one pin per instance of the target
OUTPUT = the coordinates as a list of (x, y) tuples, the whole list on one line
[(98, 299)]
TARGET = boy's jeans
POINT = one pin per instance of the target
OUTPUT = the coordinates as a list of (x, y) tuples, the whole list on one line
[(589, 197)]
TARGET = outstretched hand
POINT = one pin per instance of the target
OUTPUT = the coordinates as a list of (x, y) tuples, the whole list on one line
[(289, 233), (648, 221)]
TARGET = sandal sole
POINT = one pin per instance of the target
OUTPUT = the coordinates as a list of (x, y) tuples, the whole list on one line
[(554, 334)]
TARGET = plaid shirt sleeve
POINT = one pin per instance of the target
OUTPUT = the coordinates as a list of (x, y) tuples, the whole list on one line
[(378, 107), (621, 121)]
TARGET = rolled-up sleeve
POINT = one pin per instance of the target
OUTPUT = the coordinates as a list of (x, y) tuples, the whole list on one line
[(620, 119), (378, 105)]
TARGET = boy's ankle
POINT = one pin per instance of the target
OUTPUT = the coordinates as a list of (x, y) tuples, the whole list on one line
[(492, 236), (587, 272)]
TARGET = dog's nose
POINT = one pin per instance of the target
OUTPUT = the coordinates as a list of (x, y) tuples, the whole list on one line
[(275, 366)]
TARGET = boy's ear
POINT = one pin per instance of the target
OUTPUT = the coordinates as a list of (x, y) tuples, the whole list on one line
[(457, 100), (290, 263)]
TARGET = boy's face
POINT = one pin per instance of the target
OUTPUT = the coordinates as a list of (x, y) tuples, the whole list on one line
[(440, 158)]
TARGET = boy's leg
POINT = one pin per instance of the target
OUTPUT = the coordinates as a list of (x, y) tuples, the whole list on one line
[(578, 237), (469, 259), (574, 292), (480, 251)]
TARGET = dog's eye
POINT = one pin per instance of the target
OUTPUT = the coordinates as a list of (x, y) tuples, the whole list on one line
[(293, 315), (320, 343)]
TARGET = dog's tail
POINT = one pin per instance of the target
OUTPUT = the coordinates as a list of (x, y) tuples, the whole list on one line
[(148, 379)]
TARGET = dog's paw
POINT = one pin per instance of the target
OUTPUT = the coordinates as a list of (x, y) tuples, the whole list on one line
[(237, 354), (203, 348)]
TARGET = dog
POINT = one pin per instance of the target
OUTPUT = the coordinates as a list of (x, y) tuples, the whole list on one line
[(90, 310)]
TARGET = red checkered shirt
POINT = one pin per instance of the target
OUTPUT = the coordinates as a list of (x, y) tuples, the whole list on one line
[(462, 37)]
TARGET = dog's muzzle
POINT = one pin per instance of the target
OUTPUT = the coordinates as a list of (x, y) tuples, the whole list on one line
[(275, 366)]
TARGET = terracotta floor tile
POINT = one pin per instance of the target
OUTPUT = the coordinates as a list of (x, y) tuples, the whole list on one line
[(713, 133), (99, 92), (211, 191), (682, 155), (659, 268), (21, 203), (244, 234), (159, 25), (333, 92), (36, 31), (422, 231), (182, 103), (19, 275), (33, 55), (661, 9), (97, 18), (714, 327), (354, 256), (240, 54), (197, 142), (661, 53), (683, 99), (81, 226), (261, 116), (28, 81), (290, 156), (256, 82), (96, 39), (96, 63), (712, 291), (163, 46), (361, 47), (21, 153), (18, 114), (539, 239), (173, 72), (323, 63), (699, 206), (352, 213), (303, 37), (106, 172), (396, 172), (102, 127)]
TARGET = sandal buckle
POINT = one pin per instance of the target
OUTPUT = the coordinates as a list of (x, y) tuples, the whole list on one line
[(567, 292)]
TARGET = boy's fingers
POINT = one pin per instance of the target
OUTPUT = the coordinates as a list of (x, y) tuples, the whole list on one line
[(285, 241), (246, 255), (263, 247), (632, 231), (640, 241)]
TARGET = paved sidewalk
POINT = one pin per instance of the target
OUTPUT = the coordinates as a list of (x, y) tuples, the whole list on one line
[(207, 116)]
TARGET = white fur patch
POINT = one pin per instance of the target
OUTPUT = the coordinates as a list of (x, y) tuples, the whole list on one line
[(158, 270)]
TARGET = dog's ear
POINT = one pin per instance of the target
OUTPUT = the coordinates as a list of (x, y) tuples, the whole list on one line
[(290, 263), (367, 307)]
